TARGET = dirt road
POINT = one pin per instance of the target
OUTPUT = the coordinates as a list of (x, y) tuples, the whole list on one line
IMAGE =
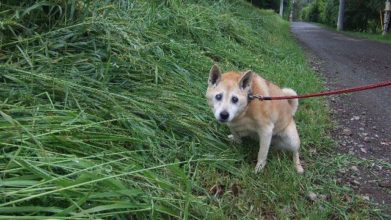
[(364, 118)]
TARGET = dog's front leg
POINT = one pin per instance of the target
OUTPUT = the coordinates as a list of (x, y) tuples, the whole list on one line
[(234, 137), (265, 137)]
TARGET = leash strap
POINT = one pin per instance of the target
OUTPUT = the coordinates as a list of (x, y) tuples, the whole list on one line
[(326, 93)]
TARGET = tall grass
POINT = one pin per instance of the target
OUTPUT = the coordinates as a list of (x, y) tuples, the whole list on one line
[(103, 114)]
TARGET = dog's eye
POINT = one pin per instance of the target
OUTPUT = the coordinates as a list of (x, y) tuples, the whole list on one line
[(218, 97), (235, 99)]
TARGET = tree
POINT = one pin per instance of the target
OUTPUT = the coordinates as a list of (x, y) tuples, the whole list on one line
[(281, 7), (387, 17), (293, 14), (340, 15)]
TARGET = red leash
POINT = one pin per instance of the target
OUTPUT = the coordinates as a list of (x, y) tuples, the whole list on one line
[(334, 92)]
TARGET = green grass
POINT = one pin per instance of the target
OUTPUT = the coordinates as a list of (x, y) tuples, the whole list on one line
[(363, 35), (370, 36), (103, 115)]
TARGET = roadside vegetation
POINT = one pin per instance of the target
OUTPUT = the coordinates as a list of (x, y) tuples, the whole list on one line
[(359, 16), (362, 19), (363, 35), (103, 115), (370, 36)]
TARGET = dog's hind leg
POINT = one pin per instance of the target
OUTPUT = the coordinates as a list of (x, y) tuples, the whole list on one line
[(289, 140), (296, 160)]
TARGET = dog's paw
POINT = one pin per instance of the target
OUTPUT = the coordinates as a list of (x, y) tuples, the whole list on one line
[(234, 139), (299, 169), (260, 165)]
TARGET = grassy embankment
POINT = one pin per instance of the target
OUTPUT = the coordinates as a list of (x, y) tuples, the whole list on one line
[(103, 114)]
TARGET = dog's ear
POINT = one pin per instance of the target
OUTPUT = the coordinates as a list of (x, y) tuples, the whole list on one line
[(214, 75), (245, 80)]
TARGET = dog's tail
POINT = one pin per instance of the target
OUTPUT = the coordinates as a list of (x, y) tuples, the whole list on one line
[(294, 103)]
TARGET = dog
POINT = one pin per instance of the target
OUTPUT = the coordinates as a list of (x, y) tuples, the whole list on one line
[(229, 96)]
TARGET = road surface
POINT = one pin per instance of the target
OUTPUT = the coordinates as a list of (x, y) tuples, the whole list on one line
[(364, 118)]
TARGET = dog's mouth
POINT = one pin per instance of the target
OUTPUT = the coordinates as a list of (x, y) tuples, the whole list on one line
[(223, 120)]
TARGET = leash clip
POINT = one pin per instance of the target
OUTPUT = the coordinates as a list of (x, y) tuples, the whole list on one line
[(260, 97), (252, 97)]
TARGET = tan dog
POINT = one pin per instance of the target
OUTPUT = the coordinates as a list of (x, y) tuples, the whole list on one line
[(271, 121)]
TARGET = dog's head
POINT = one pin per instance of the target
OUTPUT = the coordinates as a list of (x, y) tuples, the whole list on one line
[(227, 93)]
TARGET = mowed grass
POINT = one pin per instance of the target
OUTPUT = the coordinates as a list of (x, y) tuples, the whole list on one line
[(103, 115)]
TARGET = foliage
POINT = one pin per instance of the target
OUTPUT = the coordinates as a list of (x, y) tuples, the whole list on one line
[(103, 114), (330, 13), (359, 15), (274, 5), (312, 12), (268, 4), (363, 15)]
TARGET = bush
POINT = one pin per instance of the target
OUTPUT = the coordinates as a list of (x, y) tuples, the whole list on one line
[(304, 13), (330, 13), (359, 15), (312, 11), (269, 4), (363, 15)]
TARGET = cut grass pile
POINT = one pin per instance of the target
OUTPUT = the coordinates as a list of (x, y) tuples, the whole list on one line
[(103, 114)]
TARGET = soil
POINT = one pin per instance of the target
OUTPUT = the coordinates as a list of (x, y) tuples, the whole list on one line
[(364, 118)]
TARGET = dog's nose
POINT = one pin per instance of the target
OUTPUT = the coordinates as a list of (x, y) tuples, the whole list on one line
[(224, 115)]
